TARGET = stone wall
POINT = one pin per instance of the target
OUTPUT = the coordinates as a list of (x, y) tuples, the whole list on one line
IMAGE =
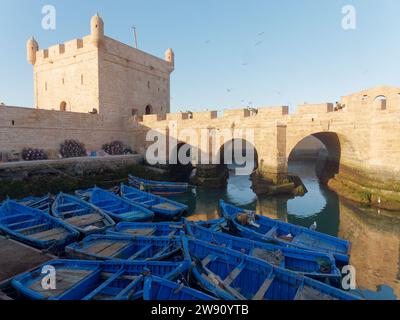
[(44, 129)]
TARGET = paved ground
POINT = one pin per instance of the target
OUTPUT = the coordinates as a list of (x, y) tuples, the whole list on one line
[(16, 258)]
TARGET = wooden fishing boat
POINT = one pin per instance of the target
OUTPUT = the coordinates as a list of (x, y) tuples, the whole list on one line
[(113, 247), (318, 265), (156, 288), (231, 275), (34, 227), (163, 208), (117, 208), (158, 229), (158, 187), (40, 203), (261, 228), (95, 280), (80, 214)]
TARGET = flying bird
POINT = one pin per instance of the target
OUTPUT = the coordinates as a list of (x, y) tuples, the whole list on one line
[(261, 33), (258, 43)]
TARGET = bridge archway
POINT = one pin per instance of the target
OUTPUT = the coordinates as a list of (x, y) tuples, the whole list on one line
[(239, 155), (335, 152), (182, 167)]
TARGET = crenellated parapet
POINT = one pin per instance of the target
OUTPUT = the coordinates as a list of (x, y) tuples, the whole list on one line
[(98, 74)]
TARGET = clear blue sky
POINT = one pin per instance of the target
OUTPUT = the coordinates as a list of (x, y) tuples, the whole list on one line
[(228, 53)]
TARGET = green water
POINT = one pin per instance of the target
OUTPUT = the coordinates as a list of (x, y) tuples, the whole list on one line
[(375, 235)]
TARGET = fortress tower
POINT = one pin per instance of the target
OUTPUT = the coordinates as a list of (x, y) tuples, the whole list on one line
[(101, 75)]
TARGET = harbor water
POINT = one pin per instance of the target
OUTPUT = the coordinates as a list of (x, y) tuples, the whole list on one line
[(374, 234)]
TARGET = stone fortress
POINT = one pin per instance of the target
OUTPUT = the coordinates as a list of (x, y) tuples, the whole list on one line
[(97, 90)]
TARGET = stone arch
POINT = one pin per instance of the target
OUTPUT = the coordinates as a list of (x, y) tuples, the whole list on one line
[(229, 153), (181, 171), (63, 106), (380, 102), (148, 109), (340, 152)]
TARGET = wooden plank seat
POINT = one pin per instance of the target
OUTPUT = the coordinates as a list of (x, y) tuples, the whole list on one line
[(208, 259), (271, 232), (74, 212), (164, 250), (11, 225), (112, 207), (234, 274), (165, 206), (140, 232), (88, 219), (65, 280), (140, 252), (215, 279), (263, 289), (52, 234), (97, 292), (32, 229), (107, 248)]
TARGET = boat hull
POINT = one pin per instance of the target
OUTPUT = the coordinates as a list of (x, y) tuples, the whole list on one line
[(113, 247), (163, 208), (317, 265), (156, 288), (34, 227), (95, 280), (158, 187), (80, 215), (120, 210), (285, 234), (231, 275)]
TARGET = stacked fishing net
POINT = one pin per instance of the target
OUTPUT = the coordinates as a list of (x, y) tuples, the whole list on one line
[(29, 154), (114, 148), (72, 148)]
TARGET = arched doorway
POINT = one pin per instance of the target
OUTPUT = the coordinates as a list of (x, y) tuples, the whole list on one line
[(63, 106), (381, 102), (148, 110)]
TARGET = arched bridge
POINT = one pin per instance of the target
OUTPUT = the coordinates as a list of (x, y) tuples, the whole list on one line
[(361, 134)]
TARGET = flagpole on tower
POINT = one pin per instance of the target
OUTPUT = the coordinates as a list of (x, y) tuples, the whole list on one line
[(135, 36)]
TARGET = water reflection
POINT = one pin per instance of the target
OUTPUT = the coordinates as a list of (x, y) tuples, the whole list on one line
[(375, 237)]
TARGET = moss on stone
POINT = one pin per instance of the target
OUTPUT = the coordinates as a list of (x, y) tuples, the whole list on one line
[(44, 184)]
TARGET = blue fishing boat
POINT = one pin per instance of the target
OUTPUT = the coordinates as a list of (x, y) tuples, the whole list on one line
[(156, 288), (219, 224), (318, 265), (40, 203), (252, 226), (95, 280), (113, 247), (80, 214), (34, 227), (158, 187), (117, 208), (163, 208), (231, 275), (158, 229)]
